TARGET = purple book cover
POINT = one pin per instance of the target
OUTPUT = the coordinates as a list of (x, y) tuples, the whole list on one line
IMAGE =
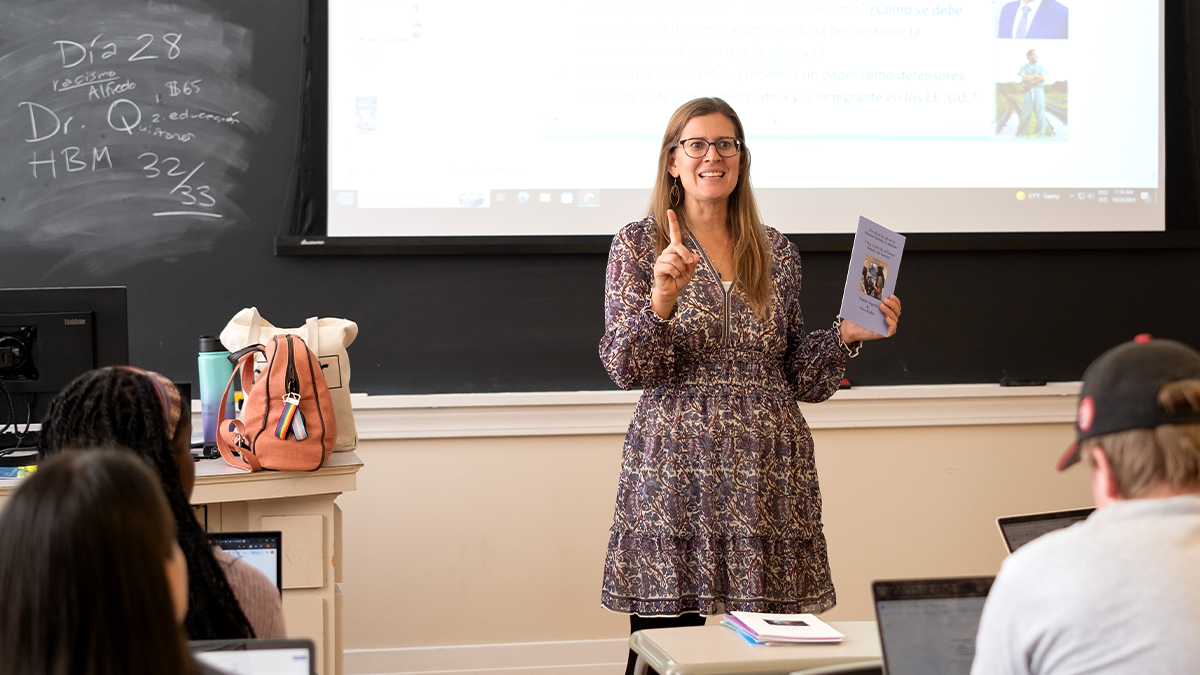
[(874, 267)]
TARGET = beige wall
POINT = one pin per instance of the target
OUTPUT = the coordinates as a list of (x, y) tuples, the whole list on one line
[(923, 501), (493, 540)]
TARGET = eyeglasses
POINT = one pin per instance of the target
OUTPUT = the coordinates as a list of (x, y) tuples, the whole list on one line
[(697, 148)]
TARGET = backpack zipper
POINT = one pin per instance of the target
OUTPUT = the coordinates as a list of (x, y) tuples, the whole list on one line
[(291, 381)]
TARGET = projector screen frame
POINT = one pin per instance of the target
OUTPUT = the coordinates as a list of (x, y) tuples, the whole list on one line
[(308, 235)]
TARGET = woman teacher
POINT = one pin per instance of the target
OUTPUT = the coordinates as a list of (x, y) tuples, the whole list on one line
[(718, 507)]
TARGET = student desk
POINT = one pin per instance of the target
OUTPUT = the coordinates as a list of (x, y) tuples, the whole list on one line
[(718, 650), (301, 505)]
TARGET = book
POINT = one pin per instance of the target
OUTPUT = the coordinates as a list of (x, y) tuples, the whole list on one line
[(874, 268), (741, 630), (782, 628)]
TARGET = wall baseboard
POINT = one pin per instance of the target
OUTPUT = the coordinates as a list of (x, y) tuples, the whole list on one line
[(574, 657)]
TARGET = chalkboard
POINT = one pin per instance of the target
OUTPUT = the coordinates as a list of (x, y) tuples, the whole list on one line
[(453, 322), (132, 126)]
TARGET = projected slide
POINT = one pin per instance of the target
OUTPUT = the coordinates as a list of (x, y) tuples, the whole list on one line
[(543, 118)]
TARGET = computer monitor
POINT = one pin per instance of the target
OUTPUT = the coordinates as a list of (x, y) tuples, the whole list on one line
[(50, 336)]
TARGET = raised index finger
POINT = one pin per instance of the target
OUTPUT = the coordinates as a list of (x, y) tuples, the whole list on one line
[(677, 237), (673, 225)]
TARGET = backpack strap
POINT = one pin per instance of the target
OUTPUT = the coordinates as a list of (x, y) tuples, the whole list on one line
[(249, 375), (230, 432), (237, 356)]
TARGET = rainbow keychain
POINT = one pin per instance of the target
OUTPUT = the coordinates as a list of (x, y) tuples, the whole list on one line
[(291, 418)]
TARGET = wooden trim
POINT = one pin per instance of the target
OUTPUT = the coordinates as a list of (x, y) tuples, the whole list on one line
[(608, 412)]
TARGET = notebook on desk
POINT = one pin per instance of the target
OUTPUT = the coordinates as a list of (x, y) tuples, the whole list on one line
[(1020, 530), (263, 550), (928, 626), (258, 657)]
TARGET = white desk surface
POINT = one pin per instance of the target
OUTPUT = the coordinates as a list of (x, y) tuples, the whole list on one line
[(217, 481), (718, 650), (219, 467)]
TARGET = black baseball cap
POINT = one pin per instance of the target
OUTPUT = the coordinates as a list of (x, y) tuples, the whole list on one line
[(1120, 390)]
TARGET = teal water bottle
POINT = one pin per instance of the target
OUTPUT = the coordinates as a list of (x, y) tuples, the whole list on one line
[(215, 371)]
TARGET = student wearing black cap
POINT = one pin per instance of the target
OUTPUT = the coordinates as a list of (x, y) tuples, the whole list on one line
[(1119, 592)]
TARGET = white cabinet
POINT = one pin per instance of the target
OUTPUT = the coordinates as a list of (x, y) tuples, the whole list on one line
[(301, 505)]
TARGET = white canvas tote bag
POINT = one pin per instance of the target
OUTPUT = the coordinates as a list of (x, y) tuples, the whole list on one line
[(328, 339)]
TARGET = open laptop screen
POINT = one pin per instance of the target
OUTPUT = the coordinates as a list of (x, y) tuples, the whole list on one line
[(261, 549), (1020, 530), (928, 626), (258, 657)]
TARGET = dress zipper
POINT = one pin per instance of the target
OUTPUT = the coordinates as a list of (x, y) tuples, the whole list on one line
[(725, 318), (726, 291)]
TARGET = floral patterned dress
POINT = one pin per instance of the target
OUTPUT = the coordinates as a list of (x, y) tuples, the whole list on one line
[(718, 507)]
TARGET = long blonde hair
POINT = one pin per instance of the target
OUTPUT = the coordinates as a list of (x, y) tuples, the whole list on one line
[(750, 247)]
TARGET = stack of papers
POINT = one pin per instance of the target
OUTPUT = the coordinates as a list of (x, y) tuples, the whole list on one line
[(792, 629)]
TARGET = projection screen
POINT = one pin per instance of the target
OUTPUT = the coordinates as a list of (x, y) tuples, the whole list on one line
[(528, 118)]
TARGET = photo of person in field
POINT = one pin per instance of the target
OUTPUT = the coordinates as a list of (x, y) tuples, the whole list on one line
[(1031, 100)]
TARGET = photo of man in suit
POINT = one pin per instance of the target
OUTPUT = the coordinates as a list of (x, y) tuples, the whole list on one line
[(1033, 20)]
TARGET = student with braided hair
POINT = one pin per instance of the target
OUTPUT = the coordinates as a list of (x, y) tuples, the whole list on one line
[(143, 411)]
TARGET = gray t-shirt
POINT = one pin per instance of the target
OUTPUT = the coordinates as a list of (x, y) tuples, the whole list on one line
[(1116, 593)]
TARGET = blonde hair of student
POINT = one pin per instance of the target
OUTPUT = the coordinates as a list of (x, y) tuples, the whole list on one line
[(750, 248), (1168, 455)]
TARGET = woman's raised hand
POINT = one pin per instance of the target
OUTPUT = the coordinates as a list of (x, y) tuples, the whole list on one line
[(673, 270), (852, 332)]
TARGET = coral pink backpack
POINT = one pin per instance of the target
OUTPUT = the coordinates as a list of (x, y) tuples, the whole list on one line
[(287, 421)]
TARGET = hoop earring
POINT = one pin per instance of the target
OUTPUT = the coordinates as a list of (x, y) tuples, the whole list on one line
[(676, 197)]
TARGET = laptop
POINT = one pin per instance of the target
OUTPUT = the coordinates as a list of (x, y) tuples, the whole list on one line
[(928, 626), (1020, 530), (263, 550), (258, 657)]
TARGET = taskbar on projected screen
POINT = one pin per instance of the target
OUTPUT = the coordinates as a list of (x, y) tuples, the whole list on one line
[(592, 198), (565, 211)]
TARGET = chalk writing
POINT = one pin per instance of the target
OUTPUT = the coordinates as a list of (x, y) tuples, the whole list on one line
[(128, 125), (74, 53)]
